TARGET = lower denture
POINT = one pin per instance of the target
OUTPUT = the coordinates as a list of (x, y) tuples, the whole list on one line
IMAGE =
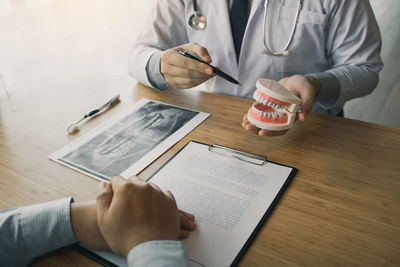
[(267, 109)]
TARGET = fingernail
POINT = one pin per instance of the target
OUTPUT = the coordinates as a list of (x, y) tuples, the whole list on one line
[(209, 71), (105, 185)]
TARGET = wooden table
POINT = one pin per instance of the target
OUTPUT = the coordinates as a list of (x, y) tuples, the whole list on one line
[(342, 207)]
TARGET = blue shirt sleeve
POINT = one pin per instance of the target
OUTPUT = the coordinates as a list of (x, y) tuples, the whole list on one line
[(153, 72), (330, 88), (160, 253), (31, 231), (28, 232)]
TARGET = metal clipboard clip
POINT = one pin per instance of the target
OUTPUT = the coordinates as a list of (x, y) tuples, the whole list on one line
[(238, 154)]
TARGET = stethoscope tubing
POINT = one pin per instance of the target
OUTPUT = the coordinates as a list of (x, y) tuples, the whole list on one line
[(266, 50), (195, 6), (197, 21), (284, 51)]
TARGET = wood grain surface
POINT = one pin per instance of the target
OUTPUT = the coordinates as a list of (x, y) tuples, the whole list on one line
[(342, 207)]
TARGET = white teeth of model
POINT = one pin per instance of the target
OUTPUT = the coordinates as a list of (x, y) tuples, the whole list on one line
[(274, 115), (280, 113), (273, 106), (255, 95), (264, 102), (269, 104), (269, 115), (265, 114)]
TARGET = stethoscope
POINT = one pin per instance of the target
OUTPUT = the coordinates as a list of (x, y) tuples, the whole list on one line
[(197, 21), (284, 51)]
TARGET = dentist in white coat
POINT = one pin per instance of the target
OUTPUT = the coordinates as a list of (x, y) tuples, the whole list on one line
[(333, 53)]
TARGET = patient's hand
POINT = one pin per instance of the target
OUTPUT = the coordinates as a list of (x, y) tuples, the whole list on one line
[(132, 211), (84, 224)]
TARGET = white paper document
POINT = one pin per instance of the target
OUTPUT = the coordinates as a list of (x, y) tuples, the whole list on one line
[(230, 198), (130, 141)]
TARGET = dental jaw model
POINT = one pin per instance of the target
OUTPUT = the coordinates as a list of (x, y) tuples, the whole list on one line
[(275, 107)]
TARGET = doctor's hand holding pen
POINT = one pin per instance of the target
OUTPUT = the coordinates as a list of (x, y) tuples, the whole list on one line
[(304, 87), (183, 72)]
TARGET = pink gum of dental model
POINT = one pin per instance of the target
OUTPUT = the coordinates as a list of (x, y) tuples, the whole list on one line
[(275, 107)]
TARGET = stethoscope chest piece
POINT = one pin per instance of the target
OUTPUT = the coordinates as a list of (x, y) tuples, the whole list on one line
[(197, 21)]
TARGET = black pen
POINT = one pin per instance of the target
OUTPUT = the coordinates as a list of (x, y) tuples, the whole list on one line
[(216, 71)]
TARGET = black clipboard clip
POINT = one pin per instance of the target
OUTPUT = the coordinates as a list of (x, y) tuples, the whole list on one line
[(238, 154)]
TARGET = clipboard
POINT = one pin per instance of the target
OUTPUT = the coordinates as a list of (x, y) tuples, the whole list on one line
[(221, 154)]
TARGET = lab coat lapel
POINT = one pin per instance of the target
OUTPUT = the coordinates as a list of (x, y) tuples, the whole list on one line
[(249, 32), (254, 7), (221, 14)]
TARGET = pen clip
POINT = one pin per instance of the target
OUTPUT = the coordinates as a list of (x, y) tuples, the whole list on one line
[(191, 55), (217, 71)]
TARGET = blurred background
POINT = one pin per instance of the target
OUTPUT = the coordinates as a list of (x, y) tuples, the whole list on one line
[(52, 44)]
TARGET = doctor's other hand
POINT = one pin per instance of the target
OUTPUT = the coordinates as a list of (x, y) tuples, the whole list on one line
[(182, 72), (130, 212), (305, 87)]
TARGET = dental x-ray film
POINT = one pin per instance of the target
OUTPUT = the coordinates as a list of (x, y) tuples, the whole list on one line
[(126, 144)]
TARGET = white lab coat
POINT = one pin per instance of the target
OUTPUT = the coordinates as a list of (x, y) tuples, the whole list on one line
[(340, 37)]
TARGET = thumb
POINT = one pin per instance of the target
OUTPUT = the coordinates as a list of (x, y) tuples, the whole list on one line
[(283, 81), (103, 199), (306, 105)]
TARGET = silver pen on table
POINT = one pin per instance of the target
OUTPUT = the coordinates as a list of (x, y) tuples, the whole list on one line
[(74, 127)]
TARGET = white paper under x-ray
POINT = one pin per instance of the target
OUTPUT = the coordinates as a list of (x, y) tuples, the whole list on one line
[(129, 142)]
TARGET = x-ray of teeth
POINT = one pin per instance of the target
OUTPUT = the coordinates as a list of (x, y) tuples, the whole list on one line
[(128, 140)]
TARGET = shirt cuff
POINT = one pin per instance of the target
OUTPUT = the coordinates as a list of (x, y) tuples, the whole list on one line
[(47, 226), (159, 253), (330, 88), (154, 74)]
